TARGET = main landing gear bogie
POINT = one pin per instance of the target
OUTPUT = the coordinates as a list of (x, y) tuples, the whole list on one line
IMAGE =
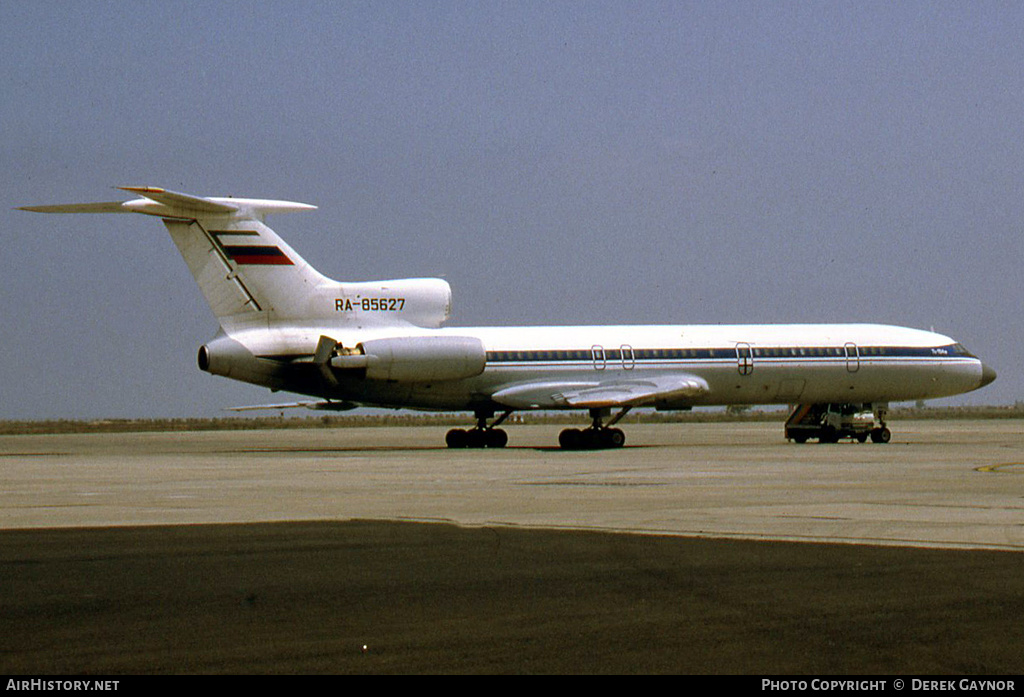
[(600, 435), (476, 438), (483, 436), (591, 438)]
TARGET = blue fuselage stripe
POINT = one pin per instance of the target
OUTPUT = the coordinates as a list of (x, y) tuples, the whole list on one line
[(742, 352)]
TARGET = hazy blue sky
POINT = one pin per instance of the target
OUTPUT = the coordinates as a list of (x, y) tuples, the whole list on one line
[(556, 162)]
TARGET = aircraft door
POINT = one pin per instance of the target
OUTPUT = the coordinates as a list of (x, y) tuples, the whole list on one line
[(597, 353), (744, 358), (852, 357), (628, 359)]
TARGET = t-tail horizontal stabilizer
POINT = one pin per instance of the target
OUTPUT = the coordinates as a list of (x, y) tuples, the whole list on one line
[(172, 204)]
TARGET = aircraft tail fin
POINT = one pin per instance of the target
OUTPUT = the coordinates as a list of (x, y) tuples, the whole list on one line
[(251, 277), (243, 268)]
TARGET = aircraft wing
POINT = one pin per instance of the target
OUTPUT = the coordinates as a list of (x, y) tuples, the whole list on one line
[(616, 391), (316, 406)]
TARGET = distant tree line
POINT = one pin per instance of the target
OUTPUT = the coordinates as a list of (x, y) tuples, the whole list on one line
[(460, 419)]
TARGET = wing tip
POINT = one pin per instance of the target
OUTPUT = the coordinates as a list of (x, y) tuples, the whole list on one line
[(143, 189)]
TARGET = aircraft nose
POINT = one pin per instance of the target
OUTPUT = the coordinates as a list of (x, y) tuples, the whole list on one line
[(987, 375)]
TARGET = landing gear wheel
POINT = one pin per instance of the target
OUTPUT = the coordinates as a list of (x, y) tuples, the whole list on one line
[(881, 435), (457, 438), (496, 438), (477, 438), (570, 439), (592, 439), (614, 438)]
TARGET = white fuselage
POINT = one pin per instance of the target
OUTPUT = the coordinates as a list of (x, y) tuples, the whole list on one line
[(741, 364)]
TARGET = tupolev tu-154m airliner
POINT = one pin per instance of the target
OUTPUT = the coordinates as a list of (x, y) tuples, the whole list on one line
[(285, 326)]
